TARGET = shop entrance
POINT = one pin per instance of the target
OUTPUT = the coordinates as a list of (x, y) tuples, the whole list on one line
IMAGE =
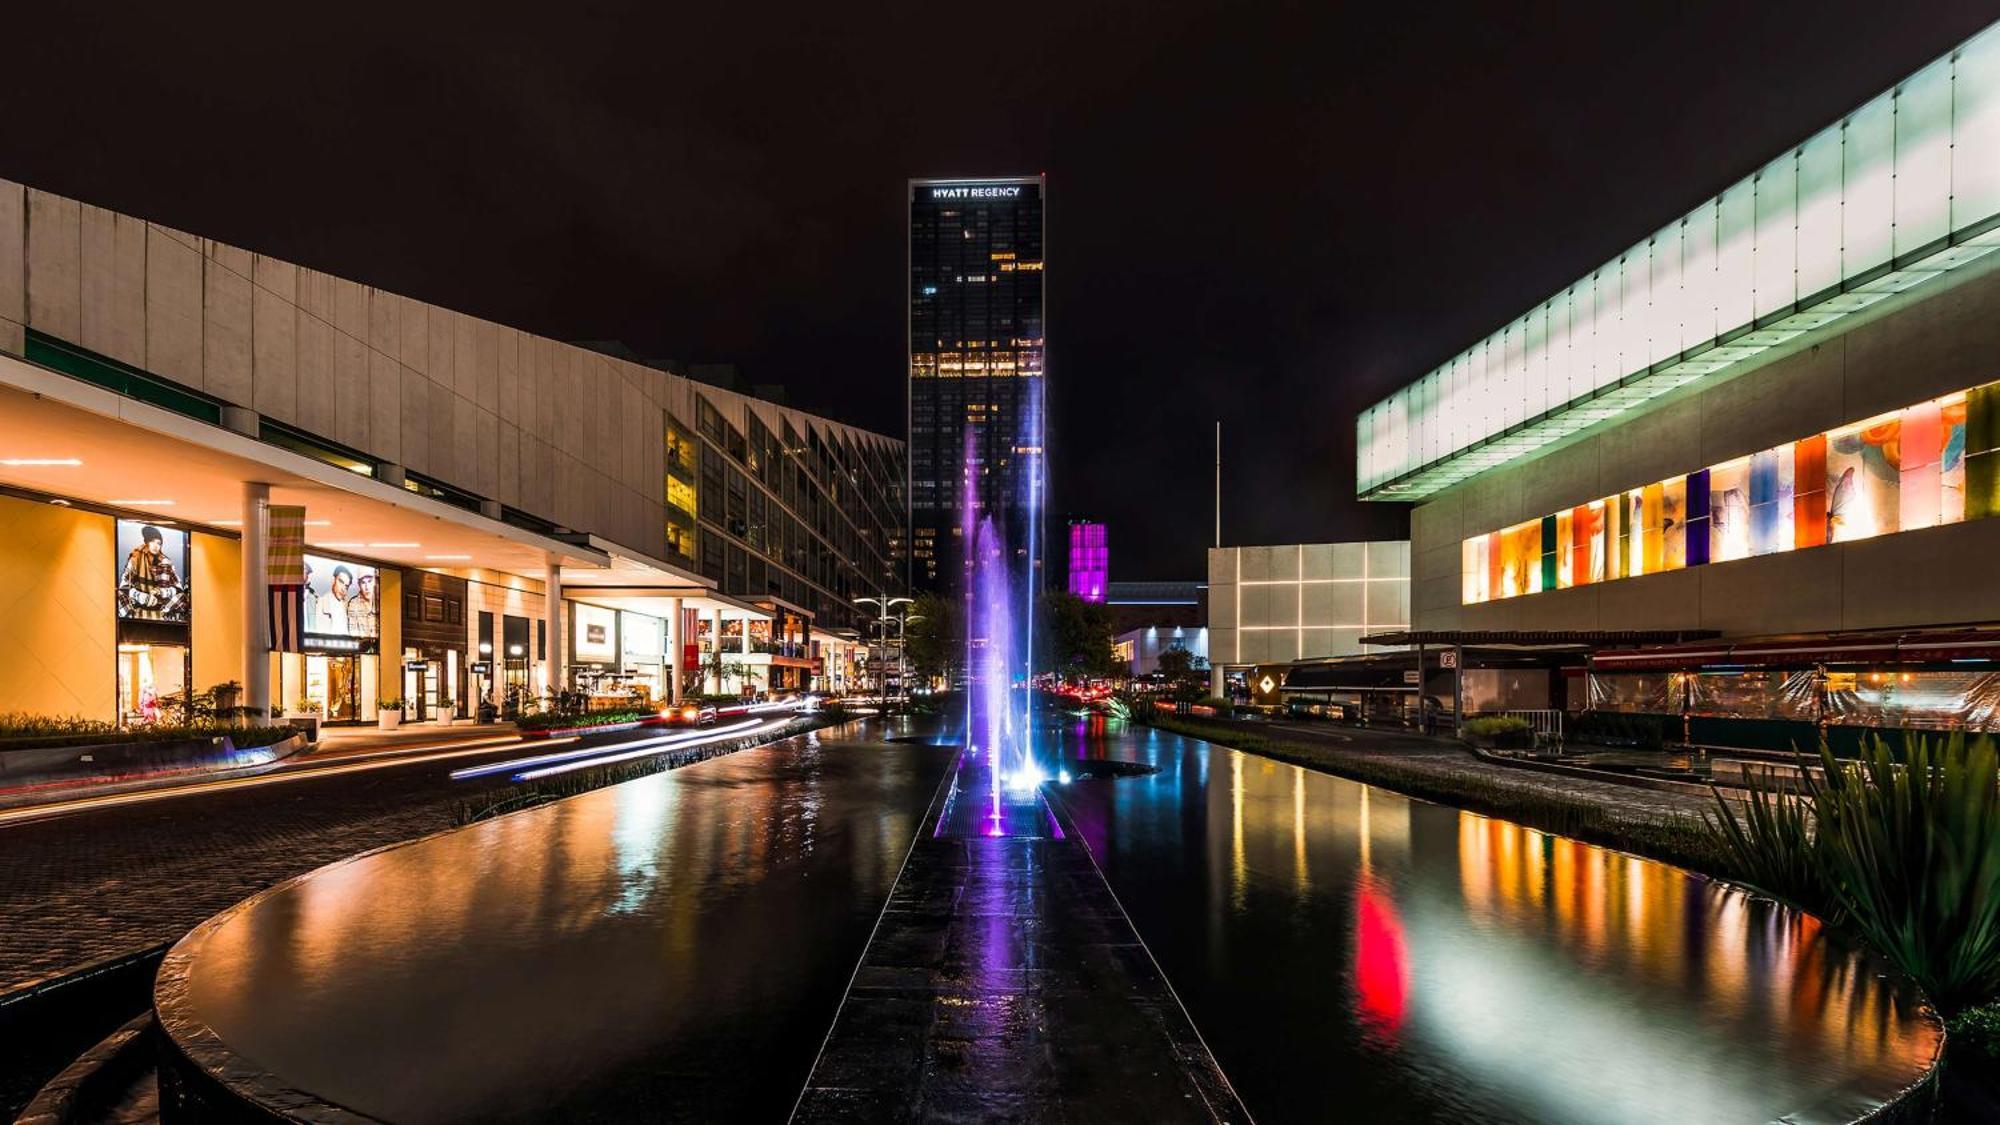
[(334, 682), (421, 682)]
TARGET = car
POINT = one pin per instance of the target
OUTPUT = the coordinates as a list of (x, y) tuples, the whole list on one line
[(689, 714)]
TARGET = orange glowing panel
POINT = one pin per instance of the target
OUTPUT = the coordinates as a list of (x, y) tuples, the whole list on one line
[(1809, 492)]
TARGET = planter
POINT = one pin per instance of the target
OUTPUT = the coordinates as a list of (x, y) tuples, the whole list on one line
[(306, 723), (388, 719)]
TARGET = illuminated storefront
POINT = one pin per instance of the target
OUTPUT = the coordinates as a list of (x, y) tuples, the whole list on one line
[(338, 675), (155, 611)]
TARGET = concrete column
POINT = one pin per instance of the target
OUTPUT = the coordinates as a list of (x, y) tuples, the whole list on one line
[(715, 636), (675, 643), (256, 597), (552, 594), (1215, 680)]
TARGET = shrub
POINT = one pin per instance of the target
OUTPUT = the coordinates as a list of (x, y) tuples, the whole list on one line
[(1496, 726), (1975, 1032), (1907, 852), (22, 732), (557, 720)]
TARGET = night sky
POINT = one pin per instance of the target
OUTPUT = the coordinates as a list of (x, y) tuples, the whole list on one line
[(1266, 213)]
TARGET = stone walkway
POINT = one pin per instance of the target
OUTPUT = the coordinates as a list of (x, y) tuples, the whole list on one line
[(1005, 983)]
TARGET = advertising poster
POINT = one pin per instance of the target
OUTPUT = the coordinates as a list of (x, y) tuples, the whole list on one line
[(596, 633), (152, 572), (341, 599)]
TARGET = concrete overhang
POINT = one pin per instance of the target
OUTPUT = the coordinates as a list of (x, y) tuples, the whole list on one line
[(63, 437)]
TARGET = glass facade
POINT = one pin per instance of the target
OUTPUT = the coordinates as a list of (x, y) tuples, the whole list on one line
[(1903, 189), (1933, 463), (815, 518), (976, 345)]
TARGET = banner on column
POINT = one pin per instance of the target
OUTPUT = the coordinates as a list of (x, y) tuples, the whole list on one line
[(285, 574)]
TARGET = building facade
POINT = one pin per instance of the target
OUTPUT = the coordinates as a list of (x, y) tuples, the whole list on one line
[(976, 401), (1089, 560), (1776, 416), (487, 514), (1277, 605)]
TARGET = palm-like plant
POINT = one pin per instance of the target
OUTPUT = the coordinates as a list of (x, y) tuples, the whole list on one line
[(1907, 852)]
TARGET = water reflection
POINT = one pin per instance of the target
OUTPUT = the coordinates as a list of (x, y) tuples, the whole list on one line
[(677, 943), (1342, 946)]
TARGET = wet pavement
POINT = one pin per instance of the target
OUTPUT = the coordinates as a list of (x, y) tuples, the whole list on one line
[(1005, 983), (671, 948), (1349, 951)]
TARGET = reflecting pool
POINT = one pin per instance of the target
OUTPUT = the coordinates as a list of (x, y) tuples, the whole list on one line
[(1349, 952), (671, 948)]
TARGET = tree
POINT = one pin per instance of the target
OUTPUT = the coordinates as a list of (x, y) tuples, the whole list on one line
[(1073, 637), (1183, 673), (934, 640)]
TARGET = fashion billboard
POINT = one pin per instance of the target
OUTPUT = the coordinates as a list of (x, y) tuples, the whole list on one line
[(342, 599), (152, 575)]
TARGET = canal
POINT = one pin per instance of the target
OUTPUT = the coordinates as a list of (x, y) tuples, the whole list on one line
[(1349, 953)]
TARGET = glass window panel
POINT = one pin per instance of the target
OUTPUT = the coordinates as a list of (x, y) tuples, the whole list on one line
[(1565, 550), (1673, 523), (1635, 314), (1472, 571), (1775, 260), (1697, 537), (1951, 459), (1729, 511), (1809, 491), (1663, 319), (1868, 195), (1698, 275), (1923, 157), (1819, 213), (1975, 153), (1633, 533), (1653, 513), (1771, 501), (1862, 484), (1916, 455), (1735, 235)]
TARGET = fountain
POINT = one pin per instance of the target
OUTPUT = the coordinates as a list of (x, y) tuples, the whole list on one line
[(998, 769)]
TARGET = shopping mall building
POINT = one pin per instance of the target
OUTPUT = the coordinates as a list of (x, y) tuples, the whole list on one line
[(1770, 428), (486, 512)]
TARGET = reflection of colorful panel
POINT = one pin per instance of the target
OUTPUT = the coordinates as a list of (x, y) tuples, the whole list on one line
[(1639, 530), (1809, 491), (1951, 459), (1729, 515), (1917, 453), (1673, 523), (1586, 553)]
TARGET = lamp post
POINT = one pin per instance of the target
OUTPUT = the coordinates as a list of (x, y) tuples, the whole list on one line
[(886, 615)]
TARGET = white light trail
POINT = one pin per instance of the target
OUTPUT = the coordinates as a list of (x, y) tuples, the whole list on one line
[(665, 741), (738, 731)]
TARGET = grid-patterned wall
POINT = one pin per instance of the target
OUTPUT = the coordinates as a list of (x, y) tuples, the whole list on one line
[(1304, 601)]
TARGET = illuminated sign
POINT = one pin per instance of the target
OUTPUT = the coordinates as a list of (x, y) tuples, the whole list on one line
[(978, 191), (342, 599), (152, 579)]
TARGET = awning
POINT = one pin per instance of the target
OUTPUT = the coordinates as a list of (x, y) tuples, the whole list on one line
[(1922, 647)]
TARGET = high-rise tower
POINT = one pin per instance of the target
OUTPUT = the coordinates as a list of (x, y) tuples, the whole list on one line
[(976, 343)]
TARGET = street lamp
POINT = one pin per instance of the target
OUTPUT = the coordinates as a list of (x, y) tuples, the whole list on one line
[(886, 615)]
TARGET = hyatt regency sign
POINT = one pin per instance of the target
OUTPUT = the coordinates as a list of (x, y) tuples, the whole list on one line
[(978, 191)]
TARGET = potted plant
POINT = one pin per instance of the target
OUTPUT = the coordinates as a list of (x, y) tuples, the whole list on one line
[(389, 714)]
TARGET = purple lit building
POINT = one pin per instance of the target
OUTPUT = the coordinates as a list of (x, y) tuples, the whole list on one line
[(1089, 560)]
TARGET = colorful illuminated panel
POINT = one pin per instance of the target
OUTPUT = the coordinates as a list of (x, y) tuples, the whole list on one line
[(1933, 463), (1089, 561)]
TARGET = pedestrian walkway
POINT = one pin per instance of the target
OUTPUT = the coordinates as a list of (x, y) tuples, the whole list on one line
[(1005, 983)]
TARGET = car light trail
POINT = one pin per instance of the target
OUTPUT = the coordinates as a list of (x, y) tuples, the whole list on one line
[(653, 744), (741, 730), (301, 772)]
